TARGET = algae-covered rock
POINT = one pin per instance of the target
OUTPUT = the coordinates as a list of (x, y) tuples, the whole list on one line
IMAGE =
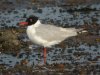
[(9, 40)]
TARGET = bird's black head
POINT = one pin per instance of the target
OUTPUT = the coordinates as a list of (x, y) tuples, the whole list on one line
[(29, 21)]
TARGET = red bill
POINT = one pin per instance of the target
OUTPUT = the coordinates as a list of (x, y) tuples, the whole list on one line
[(22, 24)]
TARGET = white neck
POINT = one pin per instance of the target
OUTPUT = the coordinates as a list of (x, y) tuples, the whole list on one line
[(32, 27), (37, 23)]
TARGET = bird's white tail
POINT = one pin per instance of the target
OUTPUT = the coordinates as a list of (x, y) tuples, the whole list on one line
[(81, 30)]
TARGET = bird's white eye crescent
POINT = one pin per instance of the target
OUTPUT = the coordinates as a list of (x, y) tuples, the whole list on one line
[(31, 20)]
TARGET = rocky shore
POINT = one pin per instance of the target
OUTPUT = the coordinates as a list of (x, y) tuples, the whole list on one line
[(78, 55)]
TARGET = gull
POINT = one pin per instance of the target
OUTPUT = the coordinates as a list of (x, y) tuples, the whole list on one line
[(47, 35)]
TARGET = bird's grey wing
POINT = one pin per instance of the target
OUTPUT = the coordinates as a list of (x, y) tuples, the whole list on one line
[(51, 33)]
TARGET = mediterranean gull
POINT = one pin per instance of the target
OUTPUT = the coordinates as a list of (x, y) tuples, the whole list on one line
[(47, 35)]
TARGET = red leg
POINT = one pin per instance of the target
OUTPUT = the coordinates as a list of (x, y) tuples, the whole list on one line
[(44, 55)]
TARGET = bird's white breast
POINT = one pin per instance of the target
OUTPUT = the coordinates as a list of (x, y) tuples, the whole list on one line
[(31, 32)]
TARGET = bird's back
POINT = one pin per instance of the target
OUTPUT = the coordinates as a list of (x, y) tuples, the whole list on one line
[(52, 33)]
